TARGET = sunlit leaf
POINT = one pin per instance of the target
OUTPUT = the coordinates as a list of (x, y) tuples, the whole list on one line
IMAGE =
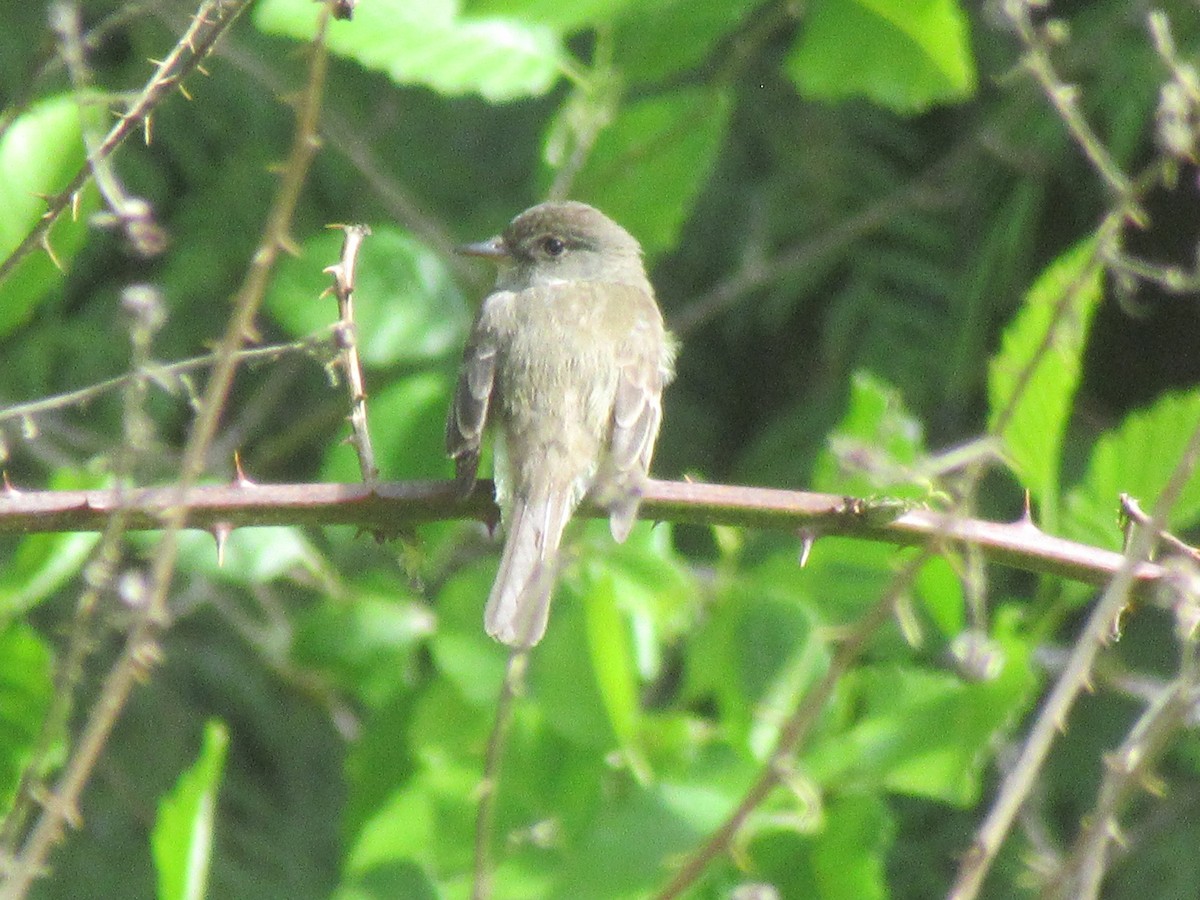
[(25, 691), (1032, 380), (613, 664), (921, 732), (425, 42), (182, 839), (1136, 458), (564, 17), (42, 564), (874, 447), (39, 154), (906, 55)]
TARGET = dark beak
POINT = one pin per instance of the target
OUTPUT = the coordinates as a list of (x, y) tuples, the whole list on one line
[(490, 249)]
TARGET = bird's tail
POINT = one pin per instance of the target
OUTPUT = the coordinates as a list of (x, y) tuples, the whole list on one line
[(519, 605)]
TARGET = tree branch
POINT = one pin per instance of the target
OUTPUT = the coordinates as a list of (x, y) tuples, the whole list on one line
[(387, 507)]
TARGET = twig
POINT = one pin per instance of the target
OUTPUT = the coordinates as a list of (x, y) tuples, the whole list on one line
[(1171, 708), (1127, 771), (343, 273), (514, 679), (134, 215), (53, 62), (146, 317), (211, 20), (1064, 97), (346, 137), (161, 374), (1133, 511), (141, 651), (1053, 715)]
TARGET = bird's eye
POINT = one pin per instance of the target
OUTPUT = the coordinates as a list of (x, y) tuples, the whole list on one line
[(553, 246)]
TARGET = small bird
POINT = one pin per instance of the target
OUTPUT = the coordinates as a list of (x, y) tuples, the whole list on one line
[(567, 361)]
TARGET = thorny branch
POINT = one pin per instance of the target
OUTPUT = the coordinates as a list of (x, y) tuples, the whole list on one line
[(141, 650), (211, 20), (343, 273)]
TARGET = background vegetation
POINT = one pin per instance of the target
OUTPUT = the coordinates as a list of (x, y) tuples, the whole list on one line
[(882, 229)]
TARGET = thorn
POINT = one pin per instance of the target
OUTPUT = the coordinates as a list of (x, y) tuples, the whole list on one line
[(239, 475), (1118, 835), (50, 252), (184, 91), (808, 537), (1154, 785), (203, 71), (9, 490), (1025, 520), (146, 130), (221, 532), (76, 199), (1114, 631), (288, 245)]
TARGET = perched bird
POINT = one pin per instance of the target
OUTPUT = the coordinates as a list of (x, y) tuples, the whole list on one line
[(567, 361)]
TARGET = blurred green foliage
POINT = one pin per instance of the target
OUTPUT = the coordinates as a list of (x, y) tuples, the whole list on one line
[(861, 223)]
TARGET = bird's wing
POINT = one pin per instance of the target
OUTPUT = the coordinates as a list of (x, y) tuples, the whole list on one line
[(637, 415), (472, 396)]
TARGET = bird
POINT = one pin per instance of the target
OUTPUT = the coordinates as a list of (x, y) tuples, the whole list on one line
[(566, 363)]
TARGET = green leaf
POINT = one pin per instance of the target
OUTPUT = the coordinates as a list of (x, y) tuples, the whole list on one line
[(1136, 458), (622, 852), (845, 858), (394, 878), (428, 817), (565, 681), (876, 445), (906, 55), (407, 307), (183, 833), (563, 17), (425, 42), (41, 565), (39, 154), (669, 142), (461, 649), (923, 733), (849, 855), (613, 665), (760, 651), (25, 690), (364, 643), (1030, 407)]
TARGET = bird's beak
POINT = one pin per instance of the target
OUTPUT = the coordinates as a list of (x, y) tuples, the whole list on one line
[(495, 249)]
